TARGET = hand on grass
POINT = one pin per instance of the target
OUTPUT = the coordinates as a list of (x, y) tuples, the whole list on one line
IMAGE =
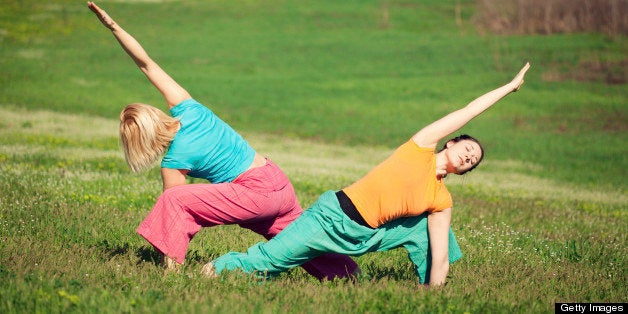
[(518, 80), (104, 18)]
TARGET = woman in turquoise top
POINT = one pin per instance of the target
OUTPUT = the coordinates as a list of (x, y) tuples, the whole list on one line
[(245, 188)]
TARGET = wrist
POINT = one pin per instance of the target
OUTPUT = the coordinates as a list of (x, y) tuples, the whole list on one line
[(514, 86)]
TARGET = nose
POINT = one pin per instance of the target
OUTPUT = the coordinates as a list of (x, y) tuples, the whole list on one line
[(467, 157)]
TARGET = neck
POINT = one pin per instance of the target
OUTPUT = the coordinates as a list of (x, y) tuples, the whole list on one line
[(441, 164)]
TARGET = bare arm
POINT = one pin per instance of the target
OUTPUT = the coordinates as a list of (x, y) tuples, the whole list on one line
[(172, 177), (169, 88), (431, 134), (438, 224)]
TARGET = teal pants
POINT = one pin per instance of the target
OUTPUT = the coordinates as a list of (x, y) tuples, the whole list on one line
[(325, 228)]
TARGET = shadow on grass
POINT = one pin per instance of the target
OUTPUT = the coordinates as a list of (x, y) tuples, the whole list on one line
[(196, 257), (146, 254), (113, 249), (378, 272)]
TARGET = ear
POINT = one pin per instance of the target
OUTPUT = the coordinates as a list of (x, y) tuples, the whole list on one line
[(449, 143)]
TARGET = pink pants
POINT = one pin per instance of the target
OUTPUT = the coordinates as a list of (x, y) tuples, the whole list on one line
[(261, 199)]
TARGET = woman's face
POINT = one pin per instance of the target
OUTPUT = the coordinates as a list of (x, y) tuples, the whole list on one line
[(462, 155)]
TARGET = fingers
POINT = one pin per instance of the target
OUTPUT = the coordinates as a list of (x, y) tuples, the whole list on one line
[(92, 6), (96, 9), (104, 18), (525, 68), (523, 71), (518, 80)]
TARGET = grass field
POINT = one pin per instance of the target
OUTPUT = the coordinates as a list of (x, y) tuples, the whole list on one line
[(326, 89)]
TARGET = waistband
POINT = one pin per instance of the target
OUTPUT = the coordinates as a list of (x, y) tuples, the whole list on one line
[(349, 209)]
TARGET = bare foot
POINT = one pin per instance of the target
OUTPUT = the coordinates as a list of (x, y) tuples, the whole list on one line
[(171, 266), (356, 275), (209, 271)]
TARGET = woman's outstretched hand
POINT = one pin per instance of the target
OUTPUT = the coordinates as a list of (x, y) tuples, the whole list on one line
[(518, 80), (104, 18)]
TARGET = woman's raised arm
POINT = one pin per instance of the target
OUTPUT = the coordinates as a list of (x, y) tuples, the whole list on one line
[(431, 134), (168, 87)]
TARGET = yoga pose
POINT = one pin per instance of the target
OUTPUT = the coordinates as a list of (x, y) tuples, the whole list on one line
[(245, 188), (385, 209)]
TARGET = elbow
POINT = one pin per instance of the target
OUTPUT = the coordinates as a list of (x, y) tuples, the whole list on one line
[(171, 185), (145, 64), (143, 67)]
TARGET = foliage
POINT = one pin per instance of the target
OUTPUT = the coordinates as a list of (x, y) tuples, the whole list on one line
[(553, 16)]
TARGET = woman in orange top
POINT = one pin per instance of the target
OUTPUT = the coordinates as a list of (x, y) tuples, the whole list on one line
[(386, 208)]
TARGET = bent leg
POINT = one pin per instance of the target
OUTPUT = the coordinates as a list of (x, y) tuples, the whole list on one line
[(317, 231), (180, 212), (288, 249), (327, 266)]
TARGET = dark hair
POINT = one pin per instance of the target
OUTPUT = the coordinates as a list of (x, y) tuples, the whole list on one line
[(462, 138)]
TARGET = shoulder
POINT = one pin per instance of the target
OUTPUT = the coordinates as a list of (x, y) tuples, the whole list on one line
[(412, 149), (423, 139), (187, 104), (413, 145)]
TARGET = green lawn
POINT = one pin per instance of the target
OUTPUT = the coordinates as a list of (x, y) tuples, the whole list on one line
[(326, 89)]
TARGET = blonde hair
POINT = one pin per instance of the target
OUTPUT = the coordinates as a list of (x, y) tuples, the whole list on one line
[(145, 133)]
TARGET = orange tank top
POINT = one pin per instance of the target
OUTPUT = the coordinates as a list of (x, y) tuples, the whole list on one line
[(403, 185)]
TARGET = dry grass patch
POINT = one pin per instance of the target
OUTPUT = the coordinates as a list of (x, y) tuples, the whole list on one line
[(299, 158)]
